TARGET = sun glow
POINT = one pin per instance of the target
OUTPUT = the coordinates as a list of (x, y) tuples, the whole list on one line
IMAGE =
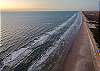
[(12, 5)]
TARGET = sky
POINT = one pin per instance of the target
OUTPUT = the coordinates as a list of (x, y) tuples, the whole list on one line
[(48, 4)]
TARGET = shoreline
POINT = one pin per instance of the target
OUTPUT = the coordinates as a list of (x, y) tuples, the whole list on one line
[(94, 24)]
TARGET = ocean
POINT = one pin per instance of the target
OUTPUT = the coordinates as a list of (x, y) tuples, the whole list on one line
[(32, 41)]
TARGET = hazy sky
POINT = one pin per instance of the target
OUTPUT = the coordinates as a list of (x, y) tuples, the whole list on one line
[(48, 4)]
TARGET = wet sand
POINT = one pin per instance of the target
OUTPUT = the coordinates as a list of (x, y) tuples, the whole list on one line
[(80, 57)]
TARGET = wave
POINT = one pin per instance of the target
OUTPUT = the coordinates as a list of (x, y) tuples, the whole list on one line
[(43, 47), (38, 65)]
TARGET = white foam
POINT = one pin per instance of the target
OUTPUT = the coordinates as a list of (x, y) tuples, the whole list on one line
[(61, 26), (14, 55), (24, 51), (51, 49), (41, 40), (42, 59)]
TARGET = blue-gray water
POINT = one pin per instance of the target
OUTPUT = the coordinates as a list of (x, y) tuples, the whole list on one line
[(29, 38), (24, 23)]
